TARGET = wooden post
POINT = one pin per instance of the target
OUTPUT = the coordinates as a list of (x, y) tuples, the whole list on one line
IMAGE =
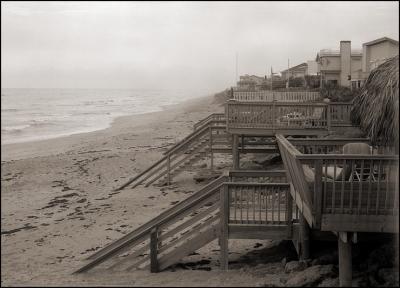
[(328, 116), (223, 237), (289, 215), (304, 238), (242, 143), (153, 250), (235, 152), (169, 169), (317, 211), (345, 261), (273, 115), (211, 151)]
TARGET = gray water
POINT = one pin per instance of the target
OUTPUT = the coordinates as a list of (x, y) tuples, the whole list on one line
[(36, 114)]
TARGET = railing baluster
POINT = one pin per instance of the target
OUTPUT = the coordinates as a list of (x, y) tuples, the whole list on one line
[(342, 190), (334, 187), (279, 205), (266, 191), (351, 186), (247, 206), (236, 202), (379, 187), (259, 203), (324, 180), (273, 205), (371, 168), (387, 169), (254, 204), (241, 204), (360, 189)]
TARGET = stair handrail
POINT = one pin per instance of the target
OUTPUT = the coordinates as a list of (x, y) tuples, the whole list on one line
[(175, 165), (177, 148), (141, 174), (211, 117), (165, 217), (187, 139)]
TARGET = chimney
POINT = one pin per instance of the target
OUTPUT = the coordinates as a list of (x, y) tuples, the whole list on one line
[(345, 63)]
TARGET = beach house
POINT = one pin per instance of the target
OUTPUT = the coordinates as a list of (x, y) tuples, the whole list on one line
[(374, 53), (336, 66), (351, 67), (295, 71), (249, 82)]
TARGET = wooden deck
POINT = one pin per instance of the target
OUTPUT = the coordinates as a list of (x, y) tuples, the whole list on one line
[(340, 192), (286, 118), (320, 191)]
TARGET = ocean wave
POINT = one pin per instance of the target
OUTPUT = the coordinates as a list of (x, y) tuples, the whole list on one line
[(14, 129), (9, 110)]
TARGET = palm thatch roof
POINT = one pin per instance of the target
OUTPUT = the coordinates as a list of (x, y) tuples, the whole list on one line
[(376, 107)]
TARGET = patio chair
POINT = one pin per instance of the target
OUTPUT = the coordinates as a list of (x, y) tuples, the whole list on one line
[(315, 118), (355, 173)]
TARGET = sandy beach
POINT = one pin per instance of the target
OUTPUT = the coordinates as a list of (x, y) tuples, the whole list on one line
[(58, 205)]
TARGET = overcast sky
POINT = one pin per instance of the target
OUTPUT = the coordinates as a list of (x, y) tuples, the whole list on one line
[(167, 45)]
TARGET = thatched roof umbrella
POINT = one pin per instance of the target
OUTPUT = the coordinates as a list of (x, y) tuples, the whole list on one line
[(376, 107)]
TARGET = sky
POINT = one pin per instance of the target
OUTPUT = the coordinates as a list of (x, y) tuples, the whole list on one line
[(168, 45)]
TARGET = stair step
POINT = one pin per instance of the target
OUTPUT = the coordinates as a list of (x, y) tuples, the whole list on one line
[(188, 247)]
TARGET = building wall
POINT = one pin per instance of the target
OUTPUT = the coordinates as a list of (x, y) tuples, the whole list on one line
[(312, 68), (298, 72), (330, 63), (356, 63), (332, 77), (345, 63), (376, 54)]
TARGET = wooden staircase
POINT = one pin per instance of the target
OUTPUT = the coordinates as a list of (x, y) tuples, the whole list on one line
[(211, 132), (170, 236), (257, 207)]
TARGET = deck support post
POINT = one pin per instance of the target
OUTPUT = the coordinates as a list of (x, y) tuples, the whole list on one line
[(211, 151), (153, 251), (289, 215), (345, 261), (304, 238), (235, 151), (223, 236)]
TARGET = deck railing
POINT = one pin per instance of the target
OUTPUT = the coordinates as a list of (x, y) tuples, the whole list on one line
[(258, 203), (323, 146), (282, 96), (215, 119), (340, 113), (287, 115), (277, 115), (346, 192), (261, 176)]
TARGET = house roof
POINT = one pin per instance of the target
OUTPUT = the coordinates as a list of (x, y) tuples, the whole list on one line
[(305, 65), (379, 40)]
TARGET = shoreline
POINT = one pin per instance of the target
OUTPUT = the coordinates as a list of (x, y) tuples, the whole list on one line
[(120, 124)]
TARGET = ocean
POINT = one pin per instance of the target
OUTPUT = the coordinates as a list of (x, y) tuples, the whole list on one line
[(37, 114)]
